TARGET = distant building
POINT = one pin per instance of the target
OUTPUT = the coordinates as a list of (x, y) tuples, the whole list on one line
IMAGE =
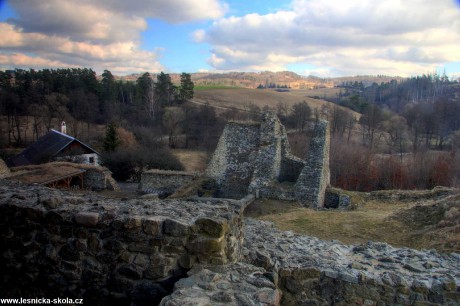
[(55, 146)]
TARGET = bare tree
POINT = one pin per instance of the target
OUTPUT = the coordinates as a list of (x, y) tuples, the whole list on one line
[(396, 128), (172, 120)]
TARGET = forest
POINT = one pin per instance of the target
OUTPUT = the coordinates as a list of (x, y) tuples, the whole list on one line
[(403, 134), (408, 134)]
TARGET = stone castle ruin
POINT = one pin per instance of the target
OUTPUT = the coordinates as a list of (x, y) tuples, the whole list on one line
[(197, 252), (252, 158), (202, 251)]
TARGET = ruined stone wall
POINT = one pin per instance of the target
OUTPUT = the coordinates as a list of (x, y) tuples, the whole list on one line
[(267, 165), (232, 164), (56, 244), (251, 157), (99, 178), (291, 166), (315, 176), (165, 182), (254, 158), (310, 271)]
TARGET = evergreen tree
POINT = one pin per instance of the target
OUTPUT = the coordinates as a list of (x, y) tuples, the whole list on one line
[(164, 88), (111, 140), (186, 87)]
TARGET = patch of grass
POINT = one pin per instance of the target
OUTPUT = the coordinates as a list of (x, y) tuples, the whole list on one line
[(192, 160), (263, 207), (372, 219)]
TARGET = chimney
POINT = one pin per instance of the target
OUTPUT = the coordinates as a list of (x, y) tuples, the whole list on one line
[(63, 128)]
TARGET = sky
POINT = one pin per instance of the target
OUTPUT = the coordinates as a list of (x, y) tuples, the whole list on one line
[(325, 38)]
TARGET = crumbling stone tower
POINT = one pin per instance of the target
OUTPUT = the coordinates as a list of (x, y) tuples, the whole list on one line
[(251, 158), (310, 188)]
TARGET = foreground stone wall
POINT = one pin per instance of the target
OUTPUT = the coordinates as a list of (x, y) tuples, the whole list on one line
[(235, 284), (56, 244), (315, 272), (165, 182)]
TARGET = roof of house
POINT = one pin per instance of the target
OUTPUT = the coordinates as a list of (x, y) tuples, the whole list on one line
[(45, 148), (46, 173)]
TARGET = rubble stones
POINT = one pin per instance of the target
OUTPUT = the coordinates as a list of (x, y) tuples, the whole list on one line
[(236, 284), (320, 271)]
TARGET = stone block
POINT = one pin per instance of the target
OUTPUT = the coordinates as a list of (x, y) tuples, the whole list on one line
[(306, 272), (34, 213), (204, 245), (130, 271), (87, 218), (52, 202), (69, 252), (175, 228), (211, 227), (152, 225), (133, 222)]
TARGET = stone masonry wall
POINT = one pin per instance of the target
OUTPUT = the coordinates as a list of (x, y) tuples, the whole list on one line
[(267, 165), (99, 178), (57, 244), (291, 166), (310, 271), (232, 164), (315, 176), (253, 158), (165, 182)]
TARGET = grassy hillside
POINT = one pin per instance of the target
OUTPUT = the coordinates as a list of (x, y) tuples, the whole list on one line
[(241, 98)]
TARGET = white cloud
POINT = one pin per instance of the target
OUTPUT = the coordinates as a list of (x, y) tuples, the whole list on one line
[(199, 36), (102, 34), (348, 37)]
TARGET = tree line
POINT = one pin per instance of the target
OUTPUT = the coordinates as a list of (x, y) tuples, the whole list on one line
[(136, 115), (77, 94), (418, 113), (406, 135)]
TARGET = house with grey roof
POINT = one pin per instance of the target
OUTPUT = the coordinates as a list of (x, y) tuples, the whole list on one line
[(55, 146)]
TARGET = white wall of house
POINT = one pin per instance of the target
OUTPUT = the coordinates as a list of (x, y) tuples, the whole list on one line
[(87, 159)]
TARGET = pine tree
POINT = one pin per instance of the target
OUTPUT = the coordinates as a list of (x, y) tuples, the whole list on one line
[(186, 87), (111, 140)]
